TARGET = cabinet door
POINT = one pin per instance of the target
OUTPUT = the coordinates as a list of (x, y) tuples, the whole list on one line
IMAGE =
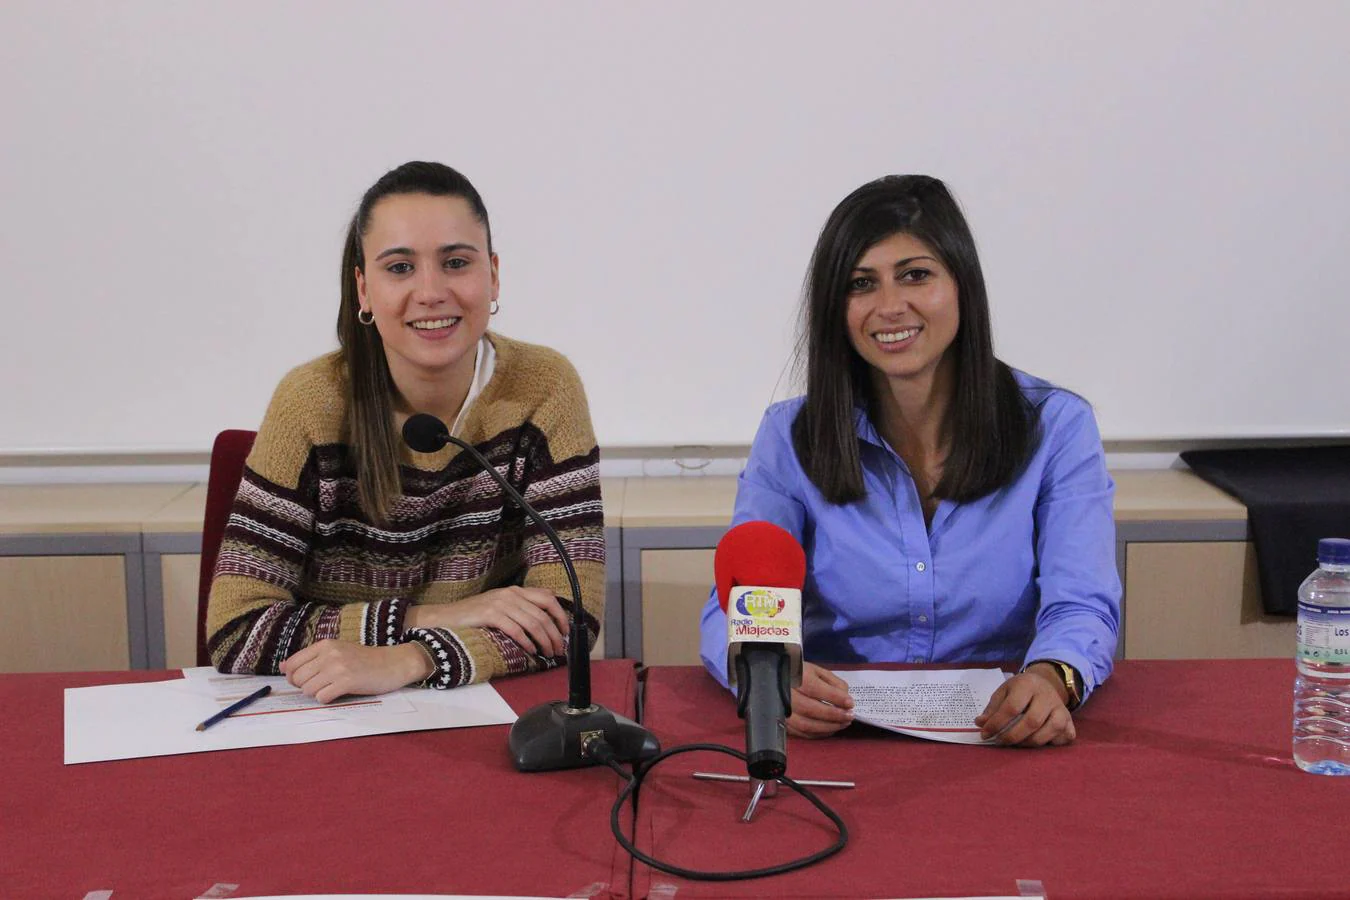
[(675, 586), (63, 613), (1198, 600), (178, 574)]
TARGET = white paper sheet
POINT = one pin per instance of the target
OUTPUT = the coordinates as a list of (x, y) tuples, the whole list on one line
[(159, 718), (933, 704), (284, 703)]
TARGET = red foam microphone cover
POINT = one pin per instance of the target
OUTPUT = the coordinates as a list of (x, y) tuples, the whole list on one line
[(760, 554)]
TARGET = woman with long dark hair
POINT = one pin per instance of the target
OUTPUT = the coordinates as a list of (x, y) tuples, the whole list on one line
[(952, 509), (354, 565)]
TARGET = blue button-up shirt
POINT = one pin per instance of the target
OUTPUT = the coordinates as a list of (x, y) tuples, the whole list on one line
[(1027, 572)]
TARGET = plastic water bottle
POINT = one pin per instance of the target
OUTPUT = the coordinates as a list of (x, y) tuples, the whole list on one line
[(1322, 688)]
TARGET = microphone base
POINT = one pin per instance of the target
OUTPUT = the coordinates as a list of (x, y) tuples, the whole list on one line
[(550, 736)]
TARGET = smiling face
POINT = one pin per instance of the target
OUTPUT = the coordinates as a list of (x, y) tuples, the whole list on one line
[(429, 281), (902, 308)]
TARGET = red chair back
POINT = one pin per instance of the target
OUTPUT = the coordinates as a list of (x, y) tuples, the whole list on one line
[(227, 469)]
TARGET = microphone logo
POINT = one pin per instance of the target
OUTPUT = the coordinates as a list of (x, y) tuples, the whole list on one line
[(764, 614), (760, 603)]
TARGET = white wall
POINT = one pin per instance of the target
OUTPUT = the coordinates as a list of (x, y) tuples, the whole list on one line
[(1159, 190)]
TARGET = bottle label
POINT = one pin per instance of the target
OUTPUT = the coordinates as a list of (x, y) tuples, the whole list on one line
[(1324, 633)]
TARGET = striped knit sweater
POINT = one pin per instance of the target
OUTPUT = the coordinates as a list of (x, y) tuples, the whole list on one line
[(300, 561)]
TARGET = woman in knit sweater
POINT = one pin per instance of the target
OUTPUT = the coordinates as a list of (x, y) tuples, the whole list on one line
[(354, 565)]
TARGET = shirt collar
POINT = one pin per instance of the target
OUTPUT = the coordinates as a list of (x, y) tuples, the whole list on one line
[(865, 429)]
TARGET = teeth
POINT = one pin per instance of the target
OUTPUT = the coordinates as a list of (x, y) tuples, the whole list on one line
[(429, 324), (894, 336)]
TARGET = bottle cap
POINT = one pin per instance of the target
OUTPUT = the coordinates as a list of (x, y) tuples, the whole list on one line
[(1334, 550)]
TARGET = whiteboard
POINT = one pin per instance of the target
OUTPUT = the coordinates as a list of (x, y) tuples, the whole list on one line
[(1160, 193)]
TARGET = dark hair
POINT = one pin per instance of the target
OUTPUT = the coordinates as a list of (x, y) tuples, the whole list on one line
[(369, 386), (989, 428)]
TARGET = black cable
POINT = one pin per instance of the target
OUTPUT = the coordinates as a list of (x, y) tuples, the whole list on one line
[(602, 752)]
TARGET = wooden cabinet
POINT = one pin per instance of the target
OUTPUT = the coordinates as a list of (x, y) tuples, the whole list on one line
[(1189, 572), (106, 576), (171, 548), (178, 573), (63, 613), (675, 586), (99, 576), (1181, 549), (71, 581), (1199, 600), (671, 527)]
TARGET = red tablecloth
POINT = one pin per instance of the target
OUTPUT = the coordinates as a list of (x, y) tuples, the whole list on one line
[(440, 812), (1180, 785)]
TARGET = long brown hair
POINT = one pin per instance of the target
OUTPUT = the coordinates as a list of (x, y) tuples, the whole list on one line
[(369, 424), (990, 426)]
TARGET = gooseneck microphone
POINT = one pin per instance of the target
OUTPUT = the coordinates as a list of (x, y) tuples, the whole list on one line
[(760, 571), (553, 735)]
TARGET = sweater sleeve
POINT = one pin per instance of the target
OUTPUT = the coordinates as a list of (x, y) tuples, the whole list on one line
[(256, 614), (562, 482)]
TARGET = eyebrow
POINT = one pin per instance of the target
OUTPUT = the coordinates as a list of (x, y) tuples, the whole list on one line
[(904, 262), (446, 248)]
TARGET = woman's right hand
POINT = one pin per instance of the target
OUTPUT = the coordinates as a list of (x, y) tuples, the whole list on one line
[(532, 617), (821, 706)]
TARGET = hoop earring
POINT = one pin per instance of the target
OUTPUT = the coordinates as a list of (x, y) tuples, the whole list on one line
[(365, 317), (492, 310)]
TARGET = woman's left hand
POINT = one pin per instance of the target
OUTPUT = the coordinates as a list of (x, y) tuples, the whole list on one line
[(1028, 710), (328, 669)]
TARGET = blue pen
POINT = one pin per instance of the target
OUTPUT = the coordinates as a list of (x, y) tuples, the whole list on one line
[(236, 706)]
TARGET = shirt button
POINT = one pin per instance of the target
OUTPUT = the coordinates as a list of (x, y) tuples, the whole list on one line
[(920, 566), (923, 618)]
